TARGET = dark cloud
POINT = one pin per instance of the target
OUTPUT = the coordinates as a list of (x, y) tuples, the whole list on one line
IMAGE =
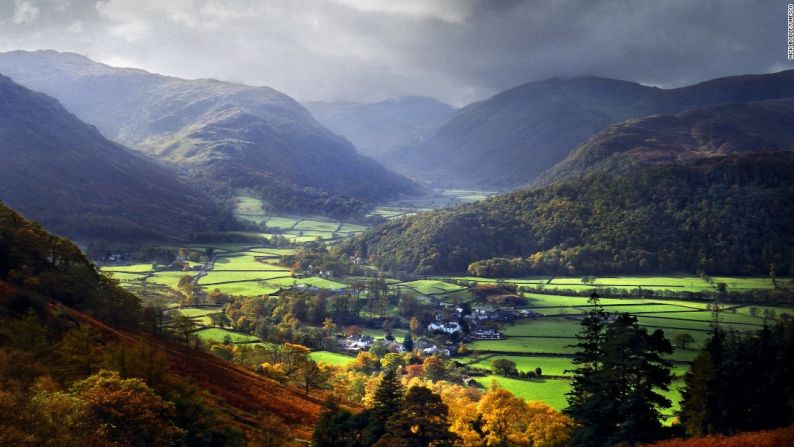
[(456, 50)]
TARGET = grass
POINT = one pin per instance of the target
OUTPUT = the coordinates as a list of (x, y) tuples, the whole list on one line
[(543, 327), (126, 277), (244, 262), (284, 223), (218, 334), (170, 279), (133, 268), (431, 287), (247, 288), (525, 345), (194, 312), (550, 391), (331, 358), (551, 366), (316, 282), (316, 225), (219, 277)]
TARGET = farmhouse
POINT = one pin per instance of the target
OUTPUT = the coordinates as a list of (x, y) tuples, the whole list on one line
[(448, 328), (356, 343)]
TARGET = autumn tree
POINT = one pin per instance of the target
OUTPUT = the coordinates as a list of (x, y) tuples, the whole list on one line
[(313, 376), (127, 411), (422, 422)]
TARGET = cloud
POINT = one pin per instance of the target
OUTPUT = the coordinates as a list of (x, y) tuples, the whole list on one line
[(25, 11), (456, 50)]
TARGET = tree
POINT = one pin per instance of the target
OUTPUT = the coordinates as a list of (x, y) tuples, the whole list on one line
[(388, 401), (338, 427), (504, 367), (392, 362), (313, 376), (127, 411), (184, 328), (421, 423), (408, 343), (434, 368), (683, 340), (415, 326), (220, 320), (619, 367)]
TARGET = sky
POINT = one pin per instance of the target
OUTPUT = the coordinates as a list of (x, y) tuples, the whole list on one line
[(458, 51)]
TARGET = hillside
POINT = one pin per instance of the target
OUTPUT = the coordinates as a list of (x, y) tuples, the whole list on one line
[(727, 215), (238, 135), (680, 138), (63, 173), (511, 138), (48, 279), (381, 128)]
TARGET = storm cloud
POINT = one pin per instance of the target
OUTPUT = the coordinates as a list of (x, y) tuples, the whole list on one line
[(366, 50)]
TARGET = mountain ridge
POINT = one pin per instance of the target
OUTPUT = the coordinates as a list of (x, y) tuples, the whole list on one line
[(511, 138), (186, 124), (64, 173)]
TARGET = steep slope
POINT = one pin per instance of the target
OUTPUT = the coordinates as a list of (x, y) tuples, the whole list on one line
[(511, 138), (48, 276), (381, 128), (63, 173), (235, 134), (700, 133), (727, 215)]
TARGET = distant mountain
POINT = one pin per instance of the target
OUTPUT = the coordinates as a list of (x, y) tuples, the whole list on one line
[(64, 173), (240, 136), (722, 215), (681, 138), (509, 139), (380, 128)]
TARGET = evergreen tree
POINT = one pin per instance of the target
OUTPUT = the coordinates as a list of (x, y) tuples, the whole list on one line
[(740, 383), (338, 427), (421, 423), (408, 343), (619, 365), (388, 402)]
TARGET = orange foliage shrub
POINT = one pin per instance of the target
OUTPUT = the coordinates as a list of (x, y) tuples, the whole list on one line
[(767, 438)]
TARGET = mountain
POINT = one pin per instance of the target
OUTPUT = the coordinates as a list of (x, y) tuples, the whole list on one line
[(509, 139), (237, 135), (680, 138), (722, 215), (64, 173), (381, 128), (61, 320)]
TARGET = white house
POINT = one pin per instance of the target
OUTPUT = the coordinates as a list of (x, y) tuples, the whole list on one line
[(448, 328)]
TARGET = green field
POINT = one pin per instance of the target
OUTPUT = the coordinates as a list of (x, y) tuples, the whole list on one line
[(133, 268), (124, 277), (525, 345), (543, 327), (247, 288), (170, 279), (217, 334), (220, 277), (200, 315), (431, 286), (551, 366), (550, 391), (331, 358)]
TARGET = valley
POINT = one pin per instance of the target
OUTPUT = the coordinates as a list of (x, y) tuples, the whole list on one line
[(395, 224), (526, 323)]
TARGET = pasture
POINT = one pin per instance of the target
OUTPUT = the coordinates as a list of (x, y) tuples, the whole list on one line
[(331, 358), (218, 334)]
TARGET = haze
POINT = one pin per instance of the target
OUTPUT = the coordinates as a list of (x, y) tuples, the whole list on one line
[(367, 50)]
